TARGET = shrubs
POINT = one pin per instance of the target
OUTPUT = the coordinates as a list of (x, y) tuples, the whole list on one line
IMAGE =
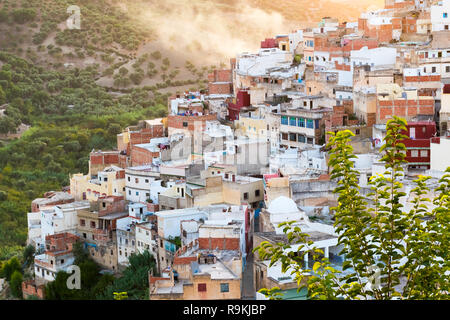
[(23, 15)]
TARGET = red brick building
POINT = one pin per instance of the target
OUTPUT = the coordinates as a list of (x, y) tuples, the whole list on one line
[(141, 155), (220, 82), (31, 289), (188, 122), (142, 133), (408, 109), (99, 160)]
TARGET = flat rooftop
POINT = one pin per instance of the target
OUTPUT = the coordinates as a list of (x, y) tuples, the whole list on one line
[(313, 236)]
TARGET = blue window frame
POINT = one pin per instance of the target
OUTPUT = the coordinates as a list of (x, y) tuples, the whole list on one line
[(316, 123), (224, 287), (310, 124), (301, 122), (284, 120), (292, 121)]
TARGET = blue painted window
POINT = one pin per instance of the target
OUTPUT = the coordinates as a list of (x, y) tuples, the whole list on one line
[(284, 120), (317, 123), (301, 138), (292, 121), (301, 122), (310, 124)]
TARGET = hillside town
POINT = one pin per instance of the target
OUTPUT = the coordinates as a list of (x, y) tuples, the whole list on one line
[(202, 187)]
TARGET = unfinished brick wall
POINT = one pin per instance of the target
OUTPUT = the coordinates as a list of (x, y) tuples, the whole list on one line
[(220, 88), (189, 122), (30, 289), (141, 156), (219, 243), (99, 160), (403, 108)]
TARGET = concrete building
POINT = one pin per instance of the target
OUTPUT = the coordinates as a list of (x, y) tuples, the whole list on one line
[(57, 257), (97, 228), (52, 220), (141, 183), (199, 275), (439, 149), (51, 198), (280, 210), (108, 182), (440, 16)]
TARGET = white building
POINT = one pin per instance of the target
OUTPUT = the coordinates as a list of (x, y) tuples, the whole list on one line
[(144, 239), (51, 220), (439, 155), (126, 232), (440, 16), (284, 209), (140, 181), (376, 58)]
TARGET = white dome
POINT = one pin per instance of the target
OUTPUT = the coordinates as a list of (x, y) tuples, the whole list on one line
[(282, 205)]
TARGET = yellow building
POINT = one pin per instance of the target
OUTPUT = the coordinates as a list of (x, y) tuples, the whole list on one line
[(254, 127), (109, 182)]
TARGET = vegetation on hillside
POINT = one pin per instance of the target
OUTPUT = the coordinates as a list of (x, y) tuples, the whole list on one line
[(69, 116)]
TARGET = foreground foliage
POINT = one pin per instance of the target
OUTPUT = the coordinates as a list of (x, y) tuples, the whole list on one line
[(390, 253)]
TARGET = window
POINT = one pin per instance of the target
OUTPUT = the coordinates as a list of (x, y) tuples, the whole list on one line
[(447, 69), (284, 120), (62, 261), (310, 124), (146, 180), (301, 138), (445, 15), (301, 122), (357, 131), (92, 224), (433, 69), (224, 287), (284, 136), (257, 193), (292, 121), (185, 124), (414, 153), (201, 287), (82, 222), (292, 137), (310, 141), (137, 193), (424, 153), (245, 195)]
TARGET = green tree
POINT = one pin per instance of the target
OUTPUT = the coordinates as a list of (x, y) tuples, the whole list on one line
[(389, 252), (9, 267), (134, 280), (28, 254), (16, 284), (2, 96)]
